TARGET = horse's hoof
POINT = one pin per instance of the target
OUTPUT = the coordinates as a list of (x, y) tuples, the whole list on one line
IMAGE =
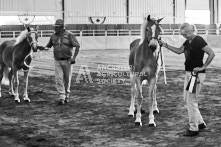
[(152, 125), (17, 100), (138, 124), (27, 101), (156, 112), (130, 115)]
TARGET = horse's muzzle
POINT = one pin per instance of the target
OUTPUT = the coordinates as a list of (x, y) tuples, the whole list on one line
[(153, 47), (35, 49), (34, 46), (153, 44)]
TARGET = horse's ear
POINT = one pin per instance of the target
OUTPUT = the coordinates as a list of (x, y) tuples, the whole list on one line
[(25, 26), (159, 20), (37, 27), (28, 28), (148, 18)]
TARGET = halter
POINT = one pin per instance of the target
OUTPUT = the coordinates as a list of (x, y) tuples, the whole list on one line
[(30, 54), (33, 41), (157, 25)]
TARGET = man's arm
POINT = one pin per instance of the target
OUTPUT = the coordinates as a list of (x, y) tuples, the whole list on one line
[(207, 49), (75, 44), (76, 52), (47, 47)]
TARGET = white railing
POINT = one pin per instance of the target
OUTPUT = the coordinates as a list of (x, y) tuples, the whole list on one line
[(123, 32)]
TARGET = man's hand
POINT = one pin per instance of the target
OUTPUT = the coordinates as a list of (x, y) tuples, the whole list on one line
[(41, 48), (72, 61), (162, 43)]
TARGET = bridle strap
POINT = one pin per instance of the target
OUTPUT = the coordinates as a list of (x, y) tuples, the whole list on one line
[(33, 41), (30, 54)]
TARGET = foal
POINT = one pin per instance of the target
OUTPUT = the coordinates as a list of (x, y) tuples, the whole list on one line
[(16, 55), (143, 64)]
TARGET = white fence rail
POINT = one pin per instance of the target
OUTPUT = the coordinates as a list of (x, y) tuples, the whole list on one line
[(48, 33), (117, 39)]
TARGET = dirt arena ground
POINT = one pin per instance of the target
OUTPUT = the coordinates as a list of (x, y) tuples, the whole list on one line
[(97, 113)]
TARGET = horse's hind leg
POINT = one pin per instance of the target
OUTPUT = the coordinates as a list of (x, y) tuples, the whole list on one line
[(133, 93), (11, 82), (152, 83), (1, 76), (25, 94)]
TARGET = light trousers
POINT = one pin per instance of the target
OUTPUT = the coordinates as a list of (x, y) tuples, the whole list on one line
[(63, 75), (191, 100)]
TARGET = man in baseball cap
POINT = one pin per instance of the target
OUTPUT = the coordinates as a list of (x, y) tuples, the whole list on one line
[(63, 42)]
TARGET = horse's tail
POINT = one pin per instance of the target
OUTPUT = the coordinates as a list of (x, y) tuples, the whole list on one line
[(5, 80)]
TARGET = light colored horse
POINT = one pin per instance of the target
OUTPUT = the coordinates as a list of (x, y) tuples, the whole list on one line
[(16, 55), (144, 67)]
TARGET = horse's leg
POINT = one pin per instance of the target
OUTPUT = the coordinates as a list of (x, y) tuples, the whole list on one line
[(11, 82), (133, 93), (155, 108), (15, 74), (1, 76), (139, 101), (152, 83), (25, 94)]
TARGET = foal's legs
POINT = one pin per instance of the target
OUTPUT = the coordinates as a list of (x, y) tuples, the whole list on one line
[(155, 108), (152, 83), (11, 82), (133, 94), (139, 101), (1, 76), (15, 73), (25, 94)]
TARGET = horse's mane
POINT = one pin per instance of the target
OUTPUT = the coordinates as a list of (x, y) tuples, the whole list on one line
[(21, 37)]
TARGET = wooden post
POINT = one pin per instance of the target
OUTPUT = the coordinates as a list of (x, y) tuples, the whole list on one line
[(127, 11), (212, 14)]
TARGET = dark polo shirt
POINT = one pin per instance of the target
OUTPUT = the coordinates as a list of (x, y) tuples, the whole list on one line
[(63, 45)]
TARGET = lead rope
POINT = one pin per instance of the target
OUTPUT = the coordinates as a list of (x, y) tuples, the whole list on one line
[(28, 66), (162, 62), (160, 54)]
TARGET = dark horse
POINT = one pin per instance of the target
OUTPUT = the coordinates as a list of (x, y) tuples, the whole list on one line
[(144, 67), (16, 55)]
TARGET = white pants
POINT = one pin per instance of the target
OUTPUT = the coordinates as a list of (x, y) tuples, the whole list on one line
[(191, 100), (63, 75)]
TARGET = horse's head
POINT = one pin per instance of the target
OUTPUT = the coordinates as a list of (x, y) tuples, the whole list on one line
[(32, 38), (152, 32)]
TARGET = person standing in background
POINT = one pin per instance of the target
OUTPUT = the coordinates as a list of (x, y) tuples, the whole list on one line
[(63, 42)]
